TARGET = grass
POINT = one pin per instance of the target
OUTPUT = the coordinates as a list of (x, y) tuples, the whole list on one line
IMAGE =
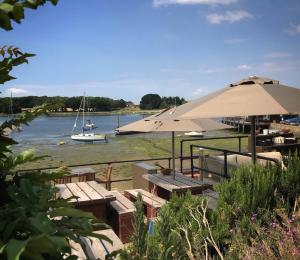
[(121, 148)]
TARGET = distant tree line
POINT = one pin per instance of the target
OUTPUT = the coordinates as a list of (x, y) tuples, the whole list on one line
[(60, 103), (154, 101)]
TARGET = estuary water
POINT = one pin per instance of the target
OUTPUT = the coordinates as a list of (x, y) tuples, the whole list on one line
[(53, 129)]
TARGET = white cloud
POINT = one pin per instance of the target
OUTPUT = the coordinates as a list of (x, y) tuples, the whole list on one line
[(229, 16), (278, 54), (294, 29), (15, 91), (158, 3), (244, 67)]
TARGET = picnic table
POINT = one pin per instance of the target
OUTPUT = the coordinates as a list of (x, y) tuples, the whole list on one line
[(166, 185), (91, 196)]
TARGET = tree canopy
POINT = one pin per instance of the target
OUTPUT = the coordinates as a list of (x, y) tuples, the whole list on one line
[(154, 101), (94, 104)]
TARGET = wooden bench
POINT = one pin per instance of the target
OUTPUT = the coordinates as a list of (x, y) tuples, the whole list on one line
[(152, 202), (121, 216), (97, 248)]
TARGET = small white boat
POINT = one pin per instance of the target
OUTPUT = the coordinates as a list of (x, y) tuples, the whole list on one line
[(194, 134), (88, 137), (86, 126)]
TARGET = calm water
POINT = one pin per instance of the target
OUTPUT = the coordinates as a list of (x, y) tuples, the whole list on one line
[(50, 130)]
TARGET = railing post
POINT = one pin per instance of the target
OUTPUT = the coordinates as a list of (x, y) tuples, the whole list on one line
[(181, 155), (240, 146), (169, 163), (192, 160), (225, 164)]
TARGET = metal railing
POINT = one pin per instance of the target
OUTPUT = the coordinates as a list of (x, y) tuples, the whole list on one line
[(225, 154), (168, 159), (182, 158)]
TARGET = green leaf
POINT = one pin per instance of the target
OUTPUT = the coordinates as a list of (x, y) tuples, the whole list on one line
[(18, 12), (54, 2), (7, 8), (5, 21), (71, 212), (15, 248)]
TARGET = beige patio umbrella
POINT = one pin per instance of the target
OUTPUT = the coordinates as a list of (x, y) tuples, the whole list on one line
[(155, 124), (252, 97)]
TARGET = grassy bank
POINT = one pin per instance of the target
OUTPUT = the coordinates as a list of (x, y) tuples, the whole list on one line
[(120, 148)]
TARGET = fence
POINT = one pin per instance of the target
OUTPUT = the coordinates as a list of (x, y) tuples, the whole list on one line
[(183, 141)]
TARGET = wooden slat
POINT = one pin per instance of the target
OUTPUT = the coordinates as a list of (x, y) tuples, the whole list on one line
[(119, 207), (178, 183), (64, 192), (76, 191), (99, 249), (77, 250), (117, 244), (197, 181), (93, 194), (104, 192), (159, 182), (123, 200), (147, 200), (188, 181), (151, 196)]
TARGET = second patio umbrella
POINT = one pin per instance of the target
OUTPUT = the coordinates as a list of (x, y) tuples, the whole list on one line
[(155, 124)]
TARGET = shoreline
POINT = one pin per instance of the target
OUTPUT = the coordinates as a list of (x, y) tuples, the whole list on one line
[(99, 113)]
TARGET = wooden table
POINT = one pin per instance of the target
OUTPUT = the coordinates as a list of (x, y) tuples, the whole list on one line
[(166, 185), (91, 196)]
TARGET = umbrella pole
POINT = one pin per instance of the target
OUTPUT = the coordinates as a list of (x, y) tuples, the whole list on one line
[(253, 139), (173, 154)]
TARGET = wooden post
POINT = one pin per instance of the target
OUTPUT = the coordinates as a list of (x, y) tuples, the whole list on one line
[(118, 121)]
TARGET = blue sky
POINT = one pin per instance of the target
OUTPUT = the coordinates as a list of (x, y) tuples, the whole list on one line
[(128, 48)]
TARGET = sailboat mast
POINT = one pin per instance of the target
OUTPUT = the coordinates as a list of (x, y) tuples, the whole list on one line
[(83, 111)]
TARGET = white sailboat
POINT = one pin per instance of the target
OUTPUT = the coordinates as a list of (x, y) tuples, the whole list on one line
[(86, 126)]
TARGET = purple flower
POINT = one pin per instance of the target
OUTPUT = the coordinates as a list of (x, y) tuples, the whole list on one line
[(253, 217), (273, 225)]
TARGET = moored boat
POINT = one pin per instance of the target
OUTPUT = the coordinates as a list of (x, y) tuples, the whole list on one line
[(88, 137), (194, 134), (85, 135)]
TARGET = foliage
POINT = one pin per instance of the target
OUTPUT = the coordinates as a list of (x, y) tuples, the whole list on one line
[(140, 230), (257, 216), (59, 103), (11, 57), (278, 240), (13, 10), (14, 124), (34, 224), (154, 101), (181, 231)]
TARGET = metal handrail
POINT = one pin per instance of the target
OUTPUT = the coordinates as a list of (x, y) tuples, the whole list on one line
[(239, 137), (225, 153)]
